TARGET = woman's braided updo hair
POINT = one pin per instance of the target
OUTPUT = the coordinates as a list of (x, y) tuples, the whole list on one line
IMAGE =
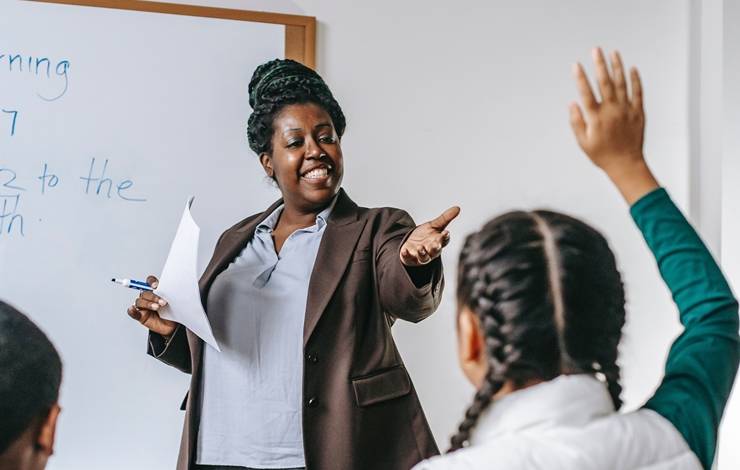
[(550, 300), (282, 82)]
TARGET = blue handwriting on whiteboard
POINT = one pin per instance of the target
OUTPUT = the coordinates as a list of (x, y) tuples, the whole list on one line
[(47, 179), (7, 176), (96, 183), (103, 182), (9, 216), (38, 67), (13, 119)]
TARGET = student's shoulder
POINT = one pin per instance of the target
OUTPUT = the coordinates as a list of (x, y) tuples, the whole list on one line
[(653, 432), (475, 458)]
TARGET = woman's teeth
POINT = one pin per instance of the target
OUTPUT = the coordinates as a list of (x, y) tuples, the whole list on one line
[(317, 173)]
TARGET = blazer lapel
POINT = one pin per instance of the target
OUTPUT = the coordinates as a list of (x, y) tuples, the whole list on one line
[(231, 245), (337, 245), (233, 241)]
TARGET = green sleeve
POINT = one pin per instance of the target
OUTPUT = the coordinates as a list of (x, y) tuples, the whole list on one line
[(702, 362)]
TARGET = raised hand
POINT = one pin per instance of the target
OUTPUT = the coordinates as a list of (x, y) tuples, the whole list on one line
[(427, 240), (145, 310), (611, 131)]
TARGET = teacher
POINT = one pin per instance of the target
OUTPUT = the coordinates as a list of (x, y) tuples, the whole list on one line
[(302, 298)]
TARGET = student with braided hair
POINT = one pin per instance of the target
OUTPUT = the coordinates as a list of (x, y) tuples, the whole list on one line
[(541, 310), (302, 298)]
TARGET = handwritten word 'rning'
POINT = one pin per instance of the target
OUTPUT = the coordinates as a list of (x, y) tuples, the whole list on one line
[(41, 67)]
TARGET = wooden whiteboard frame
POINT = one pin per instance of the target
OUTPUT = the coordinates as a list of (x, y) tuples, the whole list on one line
[(300, 31)]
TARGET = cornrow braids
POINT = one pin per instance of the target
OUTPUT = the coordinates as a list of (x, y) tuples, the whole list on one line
[(549, 300), (279, 83)]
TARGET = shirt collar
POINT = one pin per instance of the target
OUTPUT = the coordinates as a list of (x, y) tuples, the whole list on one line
[(322, 218), (568, 399)]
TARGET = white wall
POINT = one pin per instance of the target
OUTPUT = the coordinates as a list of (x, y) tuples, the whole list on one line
[(705, 118), (466, 103), (729, 456)]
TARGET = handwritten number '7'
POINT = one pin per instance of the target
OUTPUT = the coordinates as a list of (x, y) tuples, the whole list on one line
[(15, 119)]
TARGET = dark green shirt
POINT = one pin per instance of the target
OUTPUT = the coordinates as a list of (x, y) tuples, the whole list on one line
[(702, 362)]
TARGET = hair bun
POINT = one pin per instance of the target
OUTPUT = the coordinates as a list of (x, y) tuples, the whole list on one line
[(282, 82), (275, 71)]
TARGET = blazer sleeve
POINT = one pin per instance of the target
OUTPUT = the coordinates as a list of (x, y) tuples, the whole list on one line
[(410, 294), (175, 352)]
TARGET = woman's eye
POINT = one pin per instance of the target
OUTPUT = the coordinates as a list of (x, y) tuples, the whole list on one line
[(327, 139), (295, 143)]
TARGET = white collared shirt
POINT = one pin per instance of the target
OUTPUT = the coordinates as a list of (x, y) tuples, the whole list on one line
[(568, 423)]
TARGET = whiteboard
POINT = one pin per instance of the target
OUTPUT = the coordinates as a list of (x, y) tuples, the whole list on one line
[(110, 119)]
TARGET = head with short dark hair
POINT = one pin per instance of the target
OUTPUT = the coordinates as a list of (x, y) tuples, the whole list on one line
[(281, 82), (30, 375), (545, 297)]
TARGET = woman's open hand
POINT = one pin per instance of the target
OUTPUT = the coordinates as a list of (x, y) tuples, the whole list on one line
[(611, 131), (145, 310), (427, 240)]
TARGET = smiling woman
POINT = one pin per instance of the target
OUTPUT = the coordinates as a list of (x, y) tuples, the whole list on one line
[(302, 298), (308, 174)]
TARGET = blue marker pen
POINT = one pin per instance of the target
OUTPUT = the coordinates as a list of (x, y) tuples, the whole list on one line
[(133, 284)]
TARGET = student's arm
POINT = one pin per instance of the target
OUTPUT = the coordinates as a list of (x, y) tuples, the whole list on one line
[(703, 361)]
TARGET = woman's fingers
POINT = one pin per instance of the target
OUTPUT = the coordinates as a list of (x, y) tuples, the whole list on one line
[(620, 84), (407, 258), (433, 248), (422, 256), (134, 313), (140, 315), (145, 304), (441, 222), (636, 99), (152, 297), (606, 86), (423, 252), (145, 310), (411, 256), (427, 241), (584, 88), (578, 123), (152, 281)]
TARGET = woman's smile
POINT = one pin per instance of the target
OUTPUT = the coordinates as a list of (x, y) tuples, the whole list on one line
[(318, 174)]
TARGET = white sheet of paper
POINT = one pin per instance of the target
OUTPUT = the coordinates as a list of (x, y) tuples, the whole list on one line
[(178, 284)]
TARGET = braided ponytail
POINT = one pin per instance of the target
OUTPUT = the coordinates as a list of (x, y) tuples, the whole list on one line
[(482, 399), (549, 300)]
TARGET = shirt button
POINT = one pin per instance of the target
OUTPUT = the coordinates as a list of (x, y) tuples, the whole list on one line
[(312, 402), (313, 358)]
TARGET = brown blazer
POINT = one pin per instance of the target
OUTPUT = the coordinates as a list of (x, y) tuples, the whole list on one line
[(361, 410)]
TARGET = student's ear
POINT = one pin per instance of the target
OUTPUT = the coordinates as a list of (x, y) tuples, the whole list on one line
[(471, 347), (266, 161), (47, 432)]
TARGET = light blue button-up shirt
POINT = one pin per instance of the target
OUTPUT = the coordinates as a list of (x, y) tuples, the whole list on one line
[(252, 404)]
